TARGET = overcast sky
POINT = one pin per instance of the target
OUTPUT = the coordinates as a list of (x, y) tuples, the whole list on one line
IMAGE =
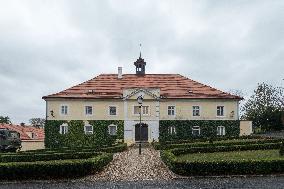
[(48, 46)]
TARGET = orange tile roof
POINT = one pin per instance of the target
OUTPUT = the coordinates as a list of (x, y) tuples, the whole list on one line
[(171, 85), (24, 130)]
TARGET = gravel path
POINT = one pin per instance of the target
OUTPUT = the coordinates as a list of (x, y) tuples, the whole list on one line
[(130, 166)]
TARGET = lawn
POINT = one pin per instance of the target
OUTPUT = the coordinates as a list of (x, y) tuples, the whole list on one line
[(234, 156)]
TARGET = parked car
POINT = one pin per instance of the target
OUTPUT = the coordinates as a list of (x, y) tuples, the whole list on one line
[(9, 141)]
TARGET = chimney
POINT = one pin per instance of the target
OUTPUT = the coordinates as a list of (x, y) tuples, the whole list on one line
[(119, 75)]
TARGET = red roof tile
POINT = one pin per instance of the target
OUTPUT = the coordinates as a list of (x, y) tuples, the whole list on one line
[(171, 86), (24, 130)]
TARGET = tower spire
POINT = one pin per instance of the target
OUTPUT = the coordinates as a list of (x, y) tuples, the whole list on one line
[(140, 64)]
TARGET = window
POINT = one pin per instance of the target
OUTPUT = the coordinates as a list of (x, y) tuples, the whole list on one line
[(64, 110), (220, 130), (220, 110), (88, 110), (195, 110), (195, 130), (112, 110), (172, 130), (63, 128), (88, 129), (112, 129), (145, 110), (171, 110)]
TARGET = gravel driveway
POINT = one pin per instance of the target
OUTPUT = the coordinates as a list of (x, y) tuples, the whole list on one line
[(130, 166)]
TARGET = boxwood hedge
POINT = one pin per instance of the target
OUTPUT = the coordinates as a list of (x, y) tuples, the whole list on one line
[(264, 166), (53, 169)]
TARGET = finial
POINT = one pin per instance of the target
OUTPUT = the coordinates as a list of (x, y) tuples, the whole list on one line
[(140, 50)]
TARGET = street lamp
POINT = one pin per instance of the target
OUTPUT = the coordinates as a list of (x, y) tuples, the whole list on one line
[(140, 101)]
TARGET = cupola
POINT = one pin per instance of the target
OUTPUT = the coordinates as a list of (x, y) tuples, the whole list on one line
[(140, 66)]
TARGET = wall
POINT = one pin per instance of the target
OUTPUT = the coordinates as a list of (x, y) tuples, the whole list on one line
[(183, 109), (245, 128), (32, 145)]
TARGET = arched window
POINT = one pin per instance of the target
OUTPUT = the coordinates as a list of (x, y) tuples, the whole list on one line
[(63, 129), (221, 130), (195, 130), (112, 129)]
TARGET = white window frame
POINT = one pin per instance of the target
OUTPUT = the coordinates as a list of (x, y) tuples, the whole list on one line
[(67, 109), (171, 110), (199, 109), (217, 111), (63, 131), (112, 125), (85, 110), (88, 132), (116, 110), (172, 130), (194, 128), (141, 110), (221, 131)]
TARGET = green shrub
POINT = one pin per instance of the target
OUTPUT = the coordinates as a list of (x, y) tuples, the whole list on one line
[(53, 169), (46, 157), (217, 143), (281, 151), (211, 149), (222, 167)]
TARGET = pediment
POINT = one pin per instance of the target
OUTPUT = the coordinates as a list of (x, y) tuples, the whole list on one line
[(146, 93)]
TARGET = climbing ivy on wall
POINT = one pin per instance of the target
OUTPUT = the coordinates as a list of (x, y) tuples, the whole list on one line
[(76, 136), (208, 128)]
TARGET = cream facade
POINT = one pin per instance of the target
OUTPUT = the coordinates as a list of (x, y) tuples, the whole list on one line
[(156, 109)]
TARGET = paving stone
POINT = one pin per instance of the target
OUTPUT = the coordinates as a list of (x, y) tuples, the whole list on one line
[(130, 166)]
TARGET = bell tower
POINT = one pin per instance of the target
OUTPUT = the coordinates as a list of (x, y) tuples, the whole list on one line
[(140, 65)]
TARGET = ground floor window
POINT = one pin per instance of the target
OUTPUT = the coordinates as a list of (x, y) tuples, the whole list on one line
[(220, 130), (112, 129), (63, 129), (195, 130), (172, 130), (88, 129)]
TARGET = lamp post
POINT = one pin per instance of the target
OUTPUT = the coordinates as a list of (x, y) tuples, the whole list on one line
[(140, 101)]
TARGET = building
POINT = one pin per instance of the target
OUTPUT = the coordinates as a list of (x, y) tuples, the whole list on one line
[(169, 100), (32, 137)]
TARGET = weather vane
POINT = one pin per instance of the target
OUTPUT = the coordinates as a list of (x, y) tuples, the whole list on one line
[(140, 49)]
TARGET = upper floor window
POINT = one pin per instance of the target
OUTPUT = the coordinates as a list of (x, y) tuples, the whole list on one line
[(220, 110), (172, 130), (88, 129), (112, 129), (63, 128), (64, 110), (171, 110), (112, 110), (195, 110), (88, 110), (220, 130), (144, 111), (195, 130)]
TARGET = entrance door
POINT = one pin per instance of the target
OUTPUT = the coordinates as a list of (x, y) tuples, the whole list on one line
[(144, 132)]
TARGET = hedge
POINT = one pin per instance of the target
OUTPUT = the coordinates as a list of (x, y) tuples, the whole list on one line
[(228, 167), (46, 157), (158, 146), (211, 149), (54, 169), (76, 136), (208, 129)]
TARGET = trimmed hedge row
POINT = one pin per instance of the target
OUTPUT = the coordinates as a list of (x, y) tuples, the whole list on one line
[(158, 146), (54, 169), (228, 167), (46, 157), (211, 149)]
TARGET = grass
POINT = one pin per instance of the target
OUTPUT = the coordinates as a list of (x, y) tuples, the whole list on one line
[(232, 156)]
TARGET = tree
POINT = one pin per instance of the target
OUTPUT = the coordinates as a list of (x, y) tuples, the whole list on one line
[(37, 122), (5, 119), (265, 107)]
